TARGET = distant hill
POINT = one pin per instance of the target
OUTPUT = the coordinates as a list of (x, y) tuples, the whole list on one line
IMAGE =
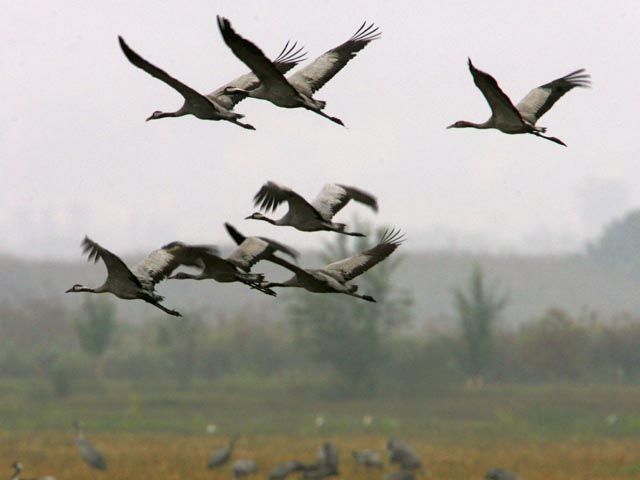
[(532, 283)]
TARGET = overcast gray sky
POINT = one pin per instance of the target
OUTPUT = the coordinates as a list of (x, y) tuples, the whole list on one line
[(77, 156)]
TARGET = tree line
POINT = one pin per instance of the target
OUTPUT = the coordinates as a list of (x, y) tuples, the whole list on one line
[(328, 344)]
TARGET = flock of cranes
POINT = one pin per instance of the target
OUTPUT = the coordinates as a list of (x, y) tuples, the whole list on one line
[(327, 463), (139, 282), (266, 81)]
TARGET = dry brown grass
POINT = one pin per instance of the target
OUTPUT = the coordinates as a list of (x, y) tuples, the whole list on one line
[(177, 457)]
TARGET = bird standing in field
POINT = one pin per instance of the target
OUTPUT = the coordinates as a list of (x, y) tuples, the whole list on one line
[(88, 452), (17, 470), (314, 216), (319, 471), (328, 454), (333, 278), (139, 282), (522, 117), (195, 103), (400, 475), (402, 454), (500, 474), (222, 456), (367, 458), (237, 266), (297, 90), (243, 467), (283, 470)]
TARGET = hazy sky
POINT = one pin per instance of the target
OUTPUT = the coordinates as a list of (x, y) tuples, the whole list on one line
[(77, 156)]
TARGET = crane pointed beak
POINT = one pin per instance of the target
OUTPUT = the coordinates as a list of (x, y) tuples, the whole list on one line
[(451, 126), (248, 218), (70, 290)]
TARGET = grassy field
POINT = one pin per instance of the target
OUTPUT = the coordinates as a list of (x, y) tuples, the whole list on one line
[(170, 456), (563, 432)]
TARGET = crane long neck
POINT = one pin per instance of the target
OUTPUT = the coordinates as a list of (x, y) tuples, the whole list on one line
[(292, 282), (79, 434), (189, 276), (274, 284), (16, 472), (466, 124), (99, 289), (178, 113), (184, 110), (269, 220)]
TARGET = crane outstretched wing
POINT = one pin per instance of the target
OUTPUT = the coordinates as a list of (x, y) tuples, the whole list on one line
[(289, 57), (250, 252), (271, 195), (160, 263), (313, 77), (276, 246), (501, 106), (351, 267), (333, 197), (116, 268), (255, 59), (539, 100), (187, 92)]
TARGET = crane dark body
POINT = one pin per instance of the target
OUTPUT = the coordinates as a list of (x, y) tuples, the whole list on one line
[(296, 91), (333, 278), (310, 216), (521, 118)]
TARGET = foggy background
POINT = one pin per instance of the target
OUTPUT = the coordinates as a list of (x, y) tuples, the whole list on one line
[(78, 157), (507, 328)]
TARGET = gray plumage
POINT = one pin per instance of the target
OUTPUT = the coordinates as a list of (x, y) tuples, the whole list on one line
[(328, 455), (254, 249), (243, 467), (195, 103), (521, 118), (139, 282), (237, 266), (403, 455), (222, 455), (400, 475), (90, 454), (296, 91), (500, 474), (367, 458), (333, 278), (283, 470), (17, 470), (289, 57), (320, 471), (314, 216)]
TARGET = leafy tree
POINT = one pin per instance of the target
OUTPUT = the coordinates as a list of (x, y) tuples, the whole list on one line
[(477, 309), (619, 244), (95, 330), (555, 346), (347, 334), (616, 343)]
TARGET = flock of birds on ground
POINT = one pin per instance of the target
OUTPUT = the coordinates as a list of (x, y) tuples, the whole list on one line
[(409, 465), (266, 81)]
